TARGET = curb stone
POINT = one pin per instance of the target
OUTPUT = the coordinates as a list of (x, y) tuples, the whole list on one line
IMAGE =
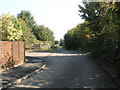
[(28, 75), (24, 77)]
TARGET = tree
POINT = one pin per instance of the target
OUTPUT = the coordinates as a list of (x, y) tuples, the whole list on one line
[(27, 36), (78, 37), (104, 23), (10, 31), (27, 17), (42, 33), (100, 33)]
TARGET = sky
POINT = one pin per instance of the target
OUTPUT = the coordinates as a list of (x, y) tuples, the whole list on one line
[(59, 15)]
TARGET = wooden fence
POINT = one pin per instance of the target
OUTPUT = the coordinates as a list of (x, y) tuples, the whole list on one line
[(12, 53), (41, 46)]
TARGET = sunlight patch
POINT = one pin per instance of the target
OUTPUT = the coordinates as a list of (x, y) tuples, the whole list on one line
[(28, 86)]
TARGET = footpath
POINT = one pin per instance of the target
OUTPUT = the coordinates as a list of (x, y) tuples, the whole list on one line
[(35, 61)]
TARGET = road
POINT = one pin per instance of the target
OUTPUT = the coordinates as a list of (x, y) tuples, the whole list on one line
[(67, 69)]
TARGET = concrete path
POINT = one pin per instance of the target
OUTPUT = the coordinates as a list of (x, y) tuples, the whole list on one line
[(36, 62), (69, 70)]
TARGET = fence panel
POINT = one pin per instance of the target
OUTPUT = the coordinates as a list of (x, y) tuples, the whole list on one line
[(15, 52), (21, 51), (6, 54), (12, 53)]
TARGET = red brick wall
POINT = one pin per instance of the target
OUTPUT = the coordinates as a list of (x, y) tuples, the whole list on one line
[(12, 53)]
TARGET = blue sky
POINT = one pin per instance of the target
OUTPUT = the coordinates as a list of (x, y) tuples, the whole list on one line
[(59, 15)]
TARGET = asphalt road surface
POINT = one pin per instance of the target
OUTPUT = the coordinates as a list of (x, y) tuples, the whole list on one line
[(67, 69)]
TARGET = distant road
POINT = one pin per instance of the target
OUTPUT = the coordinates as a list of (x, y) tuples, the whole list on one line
[(67, 69)]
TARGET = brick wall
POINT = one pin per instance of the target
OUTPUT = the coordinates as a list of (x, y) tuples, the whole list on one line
[(12, 53)]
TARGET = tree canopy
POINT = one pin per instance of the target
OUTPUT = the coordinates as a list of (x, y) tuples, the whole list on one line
[(27, 17), (99, 34), (24, 28), (43, 33), (10, 28)]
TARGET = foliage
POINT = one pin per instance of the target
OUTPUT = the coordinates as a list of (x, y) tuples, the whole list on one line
[(104, 22), (33, 33), (27, 17), (27, 36), (78, 37), (10, 28), (43, 33), (24, 28), (100, 33)]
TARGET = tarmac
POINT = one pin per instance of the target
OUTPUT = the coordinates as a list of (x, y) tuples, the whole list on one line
[(16, 74), (28, 68)]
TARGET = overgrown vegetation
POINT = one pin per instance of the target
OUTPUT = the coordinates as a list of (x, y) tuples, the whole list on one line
[(99, 34), (24, 28)]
